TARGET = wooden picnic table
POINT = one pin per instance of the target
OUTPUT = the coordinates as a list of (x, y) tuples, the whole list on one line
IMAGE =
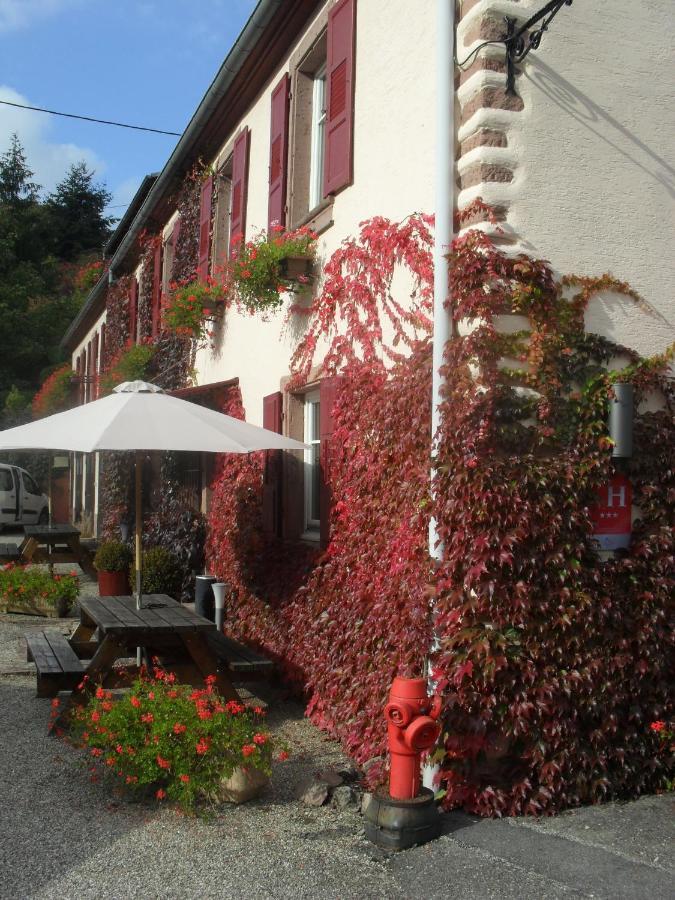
[(55, 544), (112, 628)]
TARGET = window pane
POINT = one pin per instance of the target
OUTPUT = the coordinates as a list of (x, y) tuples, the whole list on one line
[(315, 509), (317, 147)]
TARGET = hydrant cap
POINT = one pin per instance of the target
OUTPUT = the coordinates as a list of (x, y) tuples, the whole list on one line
[(409, 688)]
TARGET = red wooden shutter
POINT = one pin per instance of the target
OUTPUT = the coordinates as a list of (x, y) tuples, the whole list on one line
[(133, 309), (103, 359), (78, 372), (328, 393), (338, 170), (239, 190), (204, 228), (271, 500), (89, 382), (156, 290), (96, 368), (276, 209)]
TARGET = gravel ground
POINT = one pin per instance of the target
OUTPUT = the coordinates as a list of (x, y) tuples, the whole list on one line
[(65, 837)]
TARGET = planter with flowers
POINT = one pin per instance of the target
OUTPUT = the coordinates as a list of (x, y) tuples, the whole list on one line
[(268, 266), (193, 306), (183, 744), (32, 591)]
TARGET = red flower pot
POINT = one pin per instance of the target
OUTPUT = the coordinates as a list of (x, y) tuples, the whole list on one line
[(113, 584)]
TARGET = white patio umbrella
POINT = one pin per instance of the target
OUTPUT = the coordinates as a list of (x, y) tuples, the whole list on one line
[(140, 416)]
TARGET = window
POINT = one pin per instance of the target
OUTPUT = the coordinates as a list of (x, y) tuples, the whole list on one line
[(168, 253), (312, 469), (308, 115), (6, 483), (221, 224), (30, 485), (318, 138)]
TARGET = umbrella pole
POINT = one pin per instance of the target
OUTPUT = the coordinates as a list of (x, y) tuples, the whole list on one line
[(139, 550)]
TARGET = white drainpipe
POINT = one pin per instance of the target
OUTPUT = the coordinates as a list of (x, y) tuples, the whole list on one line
[(445, 174)]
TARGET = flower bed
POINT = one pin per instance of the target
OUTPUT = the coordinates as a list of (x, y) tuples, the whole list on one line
[(36, 592), (265, 268), (179, 742)]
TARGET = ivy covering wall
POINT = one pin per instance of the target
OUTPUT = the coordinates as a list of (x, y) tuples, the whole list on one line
[(551, 661)]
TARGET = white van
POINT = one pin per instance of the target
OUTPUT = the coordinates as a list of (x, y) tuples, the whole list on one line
[(21, 500)]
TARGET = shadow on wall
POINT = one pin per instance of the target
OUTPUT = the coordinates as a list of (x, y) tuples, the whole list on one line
[(596, 119)]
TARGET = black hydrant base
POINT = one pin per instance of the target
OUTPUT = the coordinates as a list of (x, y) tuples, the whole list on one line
[(400, 824)]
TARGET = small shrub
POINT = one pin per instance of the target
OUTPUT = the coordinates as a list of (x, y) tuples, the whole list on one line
[(34, 591), (113, 556), (179, 741), (162, 572)]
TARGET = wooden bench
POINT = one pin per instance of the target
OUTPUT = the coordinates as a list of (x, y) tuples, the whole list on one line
[(243, 663), (58, 668), (9, 553)]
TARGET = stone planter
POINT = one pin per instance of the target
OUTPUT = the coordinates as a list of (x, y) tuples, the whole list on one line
[(243, 784), (36, 606)]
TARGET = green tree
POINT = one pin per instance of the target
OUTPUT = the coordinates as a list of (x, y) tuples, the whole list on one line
[(15, 184), (76, 207)]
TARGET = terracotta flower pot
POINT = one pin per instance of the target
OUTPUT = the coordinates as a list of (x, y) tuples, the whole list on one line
[(113, 584)]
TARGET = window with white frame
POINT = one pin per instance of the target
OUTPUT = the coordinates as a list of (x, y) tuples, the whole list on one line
[(312, 469), (318, 138)]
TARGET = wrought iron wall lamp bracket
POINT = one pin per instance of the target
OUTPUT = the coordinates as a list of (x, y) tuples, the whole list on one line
[(520, 41)]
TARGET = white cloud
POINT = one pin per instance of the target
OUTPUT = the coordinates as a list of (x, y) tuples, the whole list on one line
[(49, 160), (16, 14)]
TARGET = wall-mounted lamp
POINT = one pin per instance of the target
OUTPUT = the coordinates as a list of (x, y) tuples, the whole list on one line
[(621, 420)]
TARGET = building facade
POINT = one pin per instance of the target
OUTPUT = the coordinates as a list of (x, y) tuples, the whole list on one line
[(322, 115)]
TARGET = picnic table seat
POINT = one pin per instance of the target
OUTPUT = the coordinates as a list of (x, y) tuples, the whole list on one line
[(58, 668), (9, 553), (243, 663)]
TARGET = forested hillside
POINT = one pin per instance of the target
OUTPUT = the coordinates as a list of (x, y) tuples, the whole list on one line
[(50, 256)]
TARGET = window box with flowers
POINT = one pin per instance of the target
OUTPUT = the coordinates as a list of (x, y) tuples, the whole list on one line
[(270, 265), (193, 307)]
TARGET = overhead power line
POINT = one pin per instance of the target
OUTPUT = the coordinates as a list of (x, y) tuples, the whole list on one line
[(53, 112)]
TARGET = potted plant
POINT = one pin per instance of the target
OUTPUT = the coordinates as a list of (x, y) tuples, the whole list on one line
[(184, 744), (112, 562), (162, 572), (266, 267)]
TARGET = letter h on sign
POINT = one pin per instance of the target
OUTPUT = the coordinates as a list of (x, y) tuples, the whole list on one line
[(611, 515)]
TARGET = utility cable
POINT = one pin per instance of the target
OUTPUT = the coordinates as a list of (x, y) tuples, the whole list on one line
[(53, 112)]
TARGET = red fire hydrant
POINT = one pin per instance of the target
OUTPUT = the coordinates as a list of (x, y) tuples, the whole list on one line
[(412, 728)]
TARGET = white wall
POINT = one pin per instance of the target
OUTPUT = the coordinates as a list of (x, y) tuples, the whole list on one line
[(594, 157), (393, 177)]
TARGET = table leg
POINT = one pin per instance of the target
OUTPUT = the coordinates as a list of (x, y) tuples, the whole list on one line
[(208, 664), (100, 665)]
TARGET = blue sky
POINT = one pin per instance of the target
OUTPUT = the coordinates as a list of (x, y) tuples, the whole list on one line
[(146, 62)]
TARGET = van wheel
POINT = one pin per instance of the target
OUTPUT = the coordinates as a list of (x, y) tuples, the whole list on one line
[(44, 517)]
